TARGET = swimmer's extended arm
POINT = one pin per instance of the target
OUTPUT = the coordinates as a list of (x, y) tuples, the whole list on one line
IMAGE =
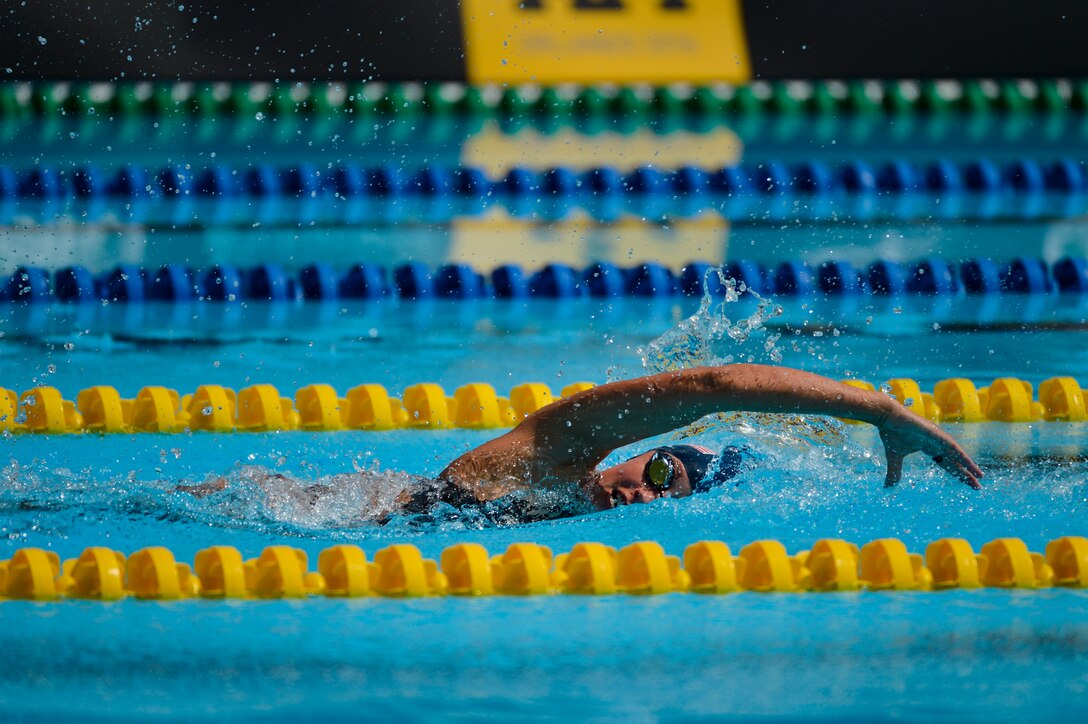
[(582, 429)]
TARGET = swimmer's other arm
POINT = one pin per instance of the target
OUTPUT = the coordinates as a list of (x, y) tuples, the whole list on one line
[(571, 436)]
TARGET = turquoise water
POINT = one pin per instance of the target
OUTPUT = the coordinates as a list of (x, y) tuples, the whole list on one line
[(979, 655), (984, 655)]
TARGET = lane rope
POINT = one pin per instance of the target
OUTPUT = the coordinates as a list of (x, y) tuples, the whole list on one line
[(427, 406), (564, 105), (528, 569), (178, 283), (944, 177)]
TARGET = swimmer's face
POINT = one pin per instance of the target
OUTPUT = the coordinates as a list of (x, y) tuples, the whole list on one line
[(632, 482)]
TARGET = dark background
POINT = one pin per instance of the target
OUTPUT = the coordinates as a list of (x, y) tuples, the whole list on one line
[(421, 39)]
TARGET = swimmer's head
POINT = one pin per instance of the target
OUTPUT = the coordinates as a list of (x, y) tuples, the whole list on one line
[(674, 471)]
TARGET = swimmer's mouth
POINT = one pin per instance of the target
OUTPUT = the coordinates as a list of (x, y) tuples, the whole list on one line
[(616, 499)]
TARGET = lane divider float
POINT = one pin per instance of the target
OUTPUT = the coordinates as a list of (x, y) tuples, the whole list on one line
[(940, 176), (567, 104), (177, 283), (528, 569), (318, 407)]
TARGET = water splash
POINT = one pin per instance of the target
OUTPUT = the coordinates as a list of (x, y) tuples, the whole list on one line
[(711, 337)]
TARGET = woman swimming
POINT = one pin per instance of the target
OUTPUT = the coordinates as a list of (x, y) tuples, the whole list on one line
[(566, 441)]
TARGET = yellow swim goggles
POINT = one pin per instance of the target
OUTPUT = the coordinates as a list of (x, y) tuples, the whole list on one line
[(660, 471)]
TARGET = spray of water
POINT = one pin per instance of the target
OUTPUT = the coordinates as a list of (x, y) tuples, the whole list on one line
[(711, 337)]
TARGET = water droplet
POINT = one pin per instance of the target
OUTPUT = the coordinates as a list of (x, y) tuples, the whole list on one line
[(259, 115), (42, 40)]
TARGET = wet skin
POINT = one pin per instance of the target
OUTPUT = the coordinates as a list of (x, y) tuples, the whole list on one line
[(628, 483)]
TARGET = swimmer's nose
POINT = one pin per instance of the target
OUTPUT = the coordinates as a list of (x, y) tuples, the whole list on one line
[(628, 496)]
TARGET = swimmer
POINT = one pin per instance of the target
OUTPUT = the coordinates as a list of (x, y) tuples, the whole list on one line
[(566, 441)]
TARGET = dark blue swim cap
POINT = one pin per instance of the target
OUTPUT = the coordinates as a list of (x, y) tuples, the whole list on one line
[(705, 470)]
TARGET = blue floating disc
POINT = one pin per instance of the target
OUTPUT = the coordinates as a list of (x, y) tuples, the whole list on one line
[(1025, 175), (556, 281), (1071, 275), (364, 281), (75, 284), (29, 284), (222, 283), (982, 176), (125, 283), (458, 281), (172, 283), (509, 282), (980, 276), (651, 280), (413, 281), (602, 181), (943, 176), (1026, 276), (267, 282), (1066, 176), (793, 278), (838, 277), (932, 276), (887, 278), (604, 279), (690, 180), (319, 282), (859, 177)]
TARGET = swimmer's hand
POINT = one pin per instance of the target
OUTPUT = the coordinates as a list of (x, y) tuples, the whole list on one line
[(903, 432)]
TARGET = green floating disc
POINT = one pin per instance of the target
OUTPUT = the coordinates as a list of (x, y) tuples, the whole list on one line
[(289, 100), (591, 103), (1050, 97), (49, 98), (932, 99), (858, 98), (472, 103), (1078, 98), (210, 100), (84, 99), (745, 101), (628, 104), (513, 103), (362, 101), (398, 102), (899, 98), (975, 99), (667, 102), (328, 98), (823, 100), (1011, 98), (705, 102), (553, 105), (783, 101), (436, 102), (243, 100), (9, 102)]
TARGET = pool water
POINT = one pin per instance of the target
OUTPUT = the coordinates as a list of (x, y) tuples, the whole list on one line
[(987, 655), (982, 655)]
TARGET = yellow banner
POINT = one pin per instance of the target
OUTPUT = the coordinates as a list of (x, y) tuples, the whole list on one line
[(496, 152), (594, 41), (496, 238)]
